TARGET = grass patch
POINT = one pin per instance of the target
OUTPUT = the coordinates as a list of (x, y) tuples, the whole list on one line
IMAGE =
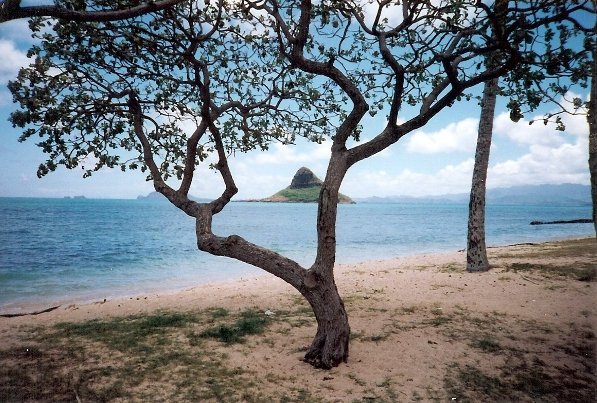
[(123, 333), (451, 268), (580, 248), (468, 383), (439, 317), (359, 381), (159, 356), (486, 344), (407, 310), (578, 271), (250, 322), (217, 313), (378, 337)]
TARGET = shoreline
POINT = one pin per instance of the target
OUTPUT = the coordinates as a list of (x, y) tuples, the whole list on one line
[(422, 329), (145, 302), (34, 308)]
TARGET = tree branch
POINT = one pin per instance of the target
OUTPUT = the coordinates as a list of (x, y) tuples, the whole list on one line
[(179, 200), (12, 10), (238, 248)]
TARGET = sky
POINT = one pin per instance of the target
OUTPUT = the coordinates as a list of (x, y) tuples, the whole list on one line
[(438, 159)]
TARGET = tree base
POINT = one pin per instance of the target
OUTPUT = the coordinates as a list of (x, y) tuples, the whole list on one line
[(330, 345), (329, 348)]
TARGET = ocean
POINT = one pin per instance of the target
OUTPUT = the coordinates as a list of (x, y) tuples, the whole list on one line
[(58, 251)]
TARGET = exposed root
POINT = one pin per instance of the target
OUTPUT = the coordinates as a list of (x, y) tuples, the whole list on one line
[(328, 350)]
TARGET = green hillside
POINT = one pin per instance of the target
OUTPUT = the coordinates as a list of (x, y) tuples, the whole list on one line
[(307, 195), (304, 188)]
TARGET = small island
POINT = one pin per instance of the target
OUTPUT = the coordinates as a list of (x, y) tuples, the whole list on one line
[(304, 188)]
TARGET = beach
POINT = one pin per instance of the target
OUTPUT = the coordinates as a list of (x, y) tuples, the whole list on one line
[(423, 329)]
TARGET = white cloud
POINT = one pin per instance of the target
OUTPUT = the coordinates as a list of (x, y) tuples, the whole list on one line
[(453, 178), (538, 132), (283, 154), (393, 13), (576, 125), (564, 164), (11, 61), (523, 133), (459, 136), (542, 164)]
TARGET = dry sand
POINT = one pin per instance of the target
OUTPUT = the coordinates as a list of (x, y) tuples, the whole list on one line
[(422, 329)]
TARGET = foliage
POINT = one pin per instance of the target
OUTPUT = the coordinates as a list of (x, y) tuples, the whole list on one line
[(580, 271), (77, 95), (555, 66), (301, 195)]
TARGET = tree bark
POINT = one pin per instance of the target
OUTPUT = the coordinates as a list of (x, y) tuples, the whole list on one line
[(476, 251), (330, 345), (592, 119)]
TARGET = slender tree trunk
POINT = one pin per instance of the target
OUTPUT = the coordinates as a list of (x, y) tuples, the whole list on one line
[(592, 119), (476, 251)]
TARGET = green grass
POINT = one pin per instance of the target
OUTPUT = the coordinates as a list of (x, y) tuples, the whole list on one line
[(250, 322), (306, 195), (581, 248), (486, 344), (579, 271), (452, 268), (124, 333), (467, 383), (136, 357)]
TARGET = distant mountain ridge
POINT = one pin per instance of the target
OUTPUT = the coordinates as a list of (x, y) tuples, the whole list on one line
[(556, 195), (159, 196)]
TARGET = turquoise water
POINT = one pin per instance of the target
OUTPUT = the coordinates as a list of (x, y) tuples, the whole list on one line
[(63, 250)]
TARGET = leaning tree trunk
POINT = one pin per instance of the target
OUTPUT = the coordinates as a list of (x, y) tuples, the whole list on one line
[(476, 251), (330, 344)]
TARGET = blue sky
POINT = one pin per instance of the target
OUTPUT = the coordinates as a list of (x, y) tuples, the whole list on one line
[(435, 160)]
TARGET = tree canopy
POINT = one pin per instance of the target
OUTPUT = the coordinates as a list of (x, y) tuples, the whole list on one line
[(263, 86)]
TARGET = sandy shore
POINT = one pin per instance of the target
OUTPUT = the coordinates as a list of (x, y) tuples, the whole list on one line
[(423, 329)]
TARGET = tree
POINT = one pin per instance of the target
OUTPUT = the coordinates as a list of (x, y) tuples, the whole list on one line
[(592, 120), (250, 73), (476, 250), (547, 61)]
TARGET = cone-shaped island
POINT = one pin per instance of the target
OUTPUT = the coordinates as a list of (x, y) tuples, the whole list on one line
[(304, 188)]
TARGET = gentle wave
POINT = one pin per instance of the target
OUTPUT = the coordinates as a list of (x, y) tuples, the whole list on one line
[(56, 250)]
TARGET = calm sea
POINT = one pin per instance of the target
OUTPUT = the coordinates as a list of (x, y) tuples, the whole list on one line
[(65, 250)]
